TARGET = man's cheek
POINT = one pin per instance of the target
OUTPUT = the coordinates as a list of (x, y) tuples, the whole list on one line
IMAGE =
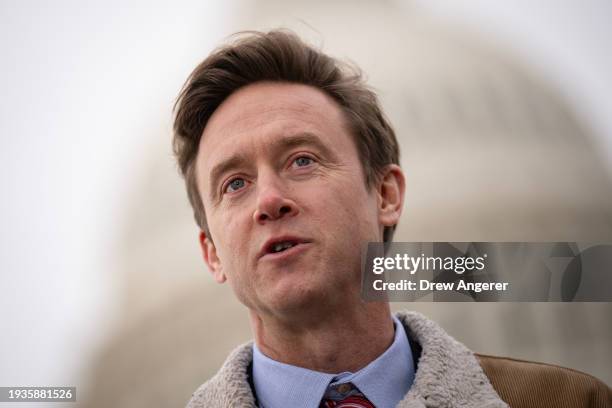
[(224, 223)]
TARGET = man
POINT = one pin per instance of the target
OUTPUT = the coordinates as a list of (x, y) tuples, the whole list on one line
[(291, 166)]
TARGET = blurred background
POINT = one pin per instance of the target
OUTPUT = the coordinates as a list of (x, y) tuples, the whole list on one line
[(502, 110)]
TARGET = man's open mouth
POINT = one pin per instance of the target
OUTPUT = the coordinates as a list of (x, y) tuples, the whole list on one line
[(281, 244)]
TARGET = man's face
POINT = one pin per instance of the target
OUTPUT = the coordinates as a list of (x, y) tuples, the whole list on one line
[(286, 202)]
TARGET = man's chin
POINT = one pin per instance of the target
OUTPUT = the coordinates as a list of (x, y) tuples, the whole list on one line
[(296, 301)]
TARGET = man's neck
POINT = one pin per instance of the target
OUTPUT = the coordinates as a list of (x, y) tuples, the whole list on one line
[(341, 340)]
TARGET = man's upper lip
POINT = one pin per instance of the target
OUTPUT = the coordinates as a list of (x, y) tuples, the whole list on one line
[(269, 244)]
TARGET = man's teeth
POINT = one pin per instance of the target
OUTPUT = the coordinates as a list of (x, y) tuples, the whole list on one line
[(281, 246)]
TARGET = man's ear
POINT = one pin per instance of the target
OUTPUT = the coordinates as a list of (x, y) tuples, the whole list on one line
[(391, 189), (209, 252)]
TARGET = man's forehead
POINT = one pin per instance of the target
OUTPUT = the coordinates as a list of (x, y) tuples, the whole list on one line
[(262, 112), (260, 103)]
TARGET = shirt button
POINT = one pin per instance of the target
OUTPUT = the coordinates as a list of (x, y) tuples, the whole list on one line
[(343, 388)]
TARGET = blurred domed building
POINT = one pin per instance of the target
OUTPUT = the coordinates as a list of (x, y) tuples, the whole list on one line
[(491, 153)]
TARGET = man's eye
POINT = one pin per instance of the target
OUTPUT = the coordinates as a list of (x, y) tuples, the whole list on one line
[(235, 185), (303, 161)]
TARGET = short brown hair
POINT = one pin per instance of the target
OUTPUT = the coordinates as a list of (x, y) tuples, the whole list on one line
[(281, 56)]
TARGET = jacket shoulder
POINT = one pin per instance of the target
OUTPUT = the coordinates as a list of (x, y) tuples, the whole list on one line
[(230, 386), (200, 397), (523, 383)]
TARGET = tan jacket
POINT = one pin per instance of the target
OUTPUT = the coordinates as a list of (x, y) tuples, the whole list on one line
[(448, 375), (536, 385)]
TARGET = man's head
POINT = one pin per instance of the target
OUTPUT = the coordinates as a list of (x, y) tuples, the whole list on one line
[(282, 146)]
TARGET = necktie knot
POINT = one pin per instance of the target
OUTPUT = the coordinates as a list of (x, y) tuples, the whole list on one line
[(345, 395)]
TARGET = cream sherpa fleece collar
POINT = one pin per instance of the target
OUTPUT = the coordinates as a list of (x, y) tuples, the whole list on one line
[(448, 374)]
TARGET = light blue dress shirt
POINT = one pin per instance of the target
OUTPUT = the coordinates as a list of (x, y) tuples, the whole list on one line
[(384, 381)]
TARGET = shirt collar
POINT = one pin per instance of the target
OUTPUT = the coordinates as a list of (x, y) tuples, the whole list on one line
[(383, 381), (386, 380), (283, 385)]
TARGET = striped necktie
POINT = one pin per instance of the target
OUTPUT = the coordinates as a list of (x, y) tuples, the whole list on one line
[(353, 401), (344, 395)]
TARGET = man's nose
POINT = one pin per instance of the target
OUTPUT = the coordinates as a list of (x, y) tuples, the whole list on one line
[(273, 204)]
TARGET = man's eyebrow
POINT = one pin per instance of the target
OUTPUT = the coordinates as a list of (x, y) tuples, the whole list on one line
[(234, 161), (301, 139), (276, 147)]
